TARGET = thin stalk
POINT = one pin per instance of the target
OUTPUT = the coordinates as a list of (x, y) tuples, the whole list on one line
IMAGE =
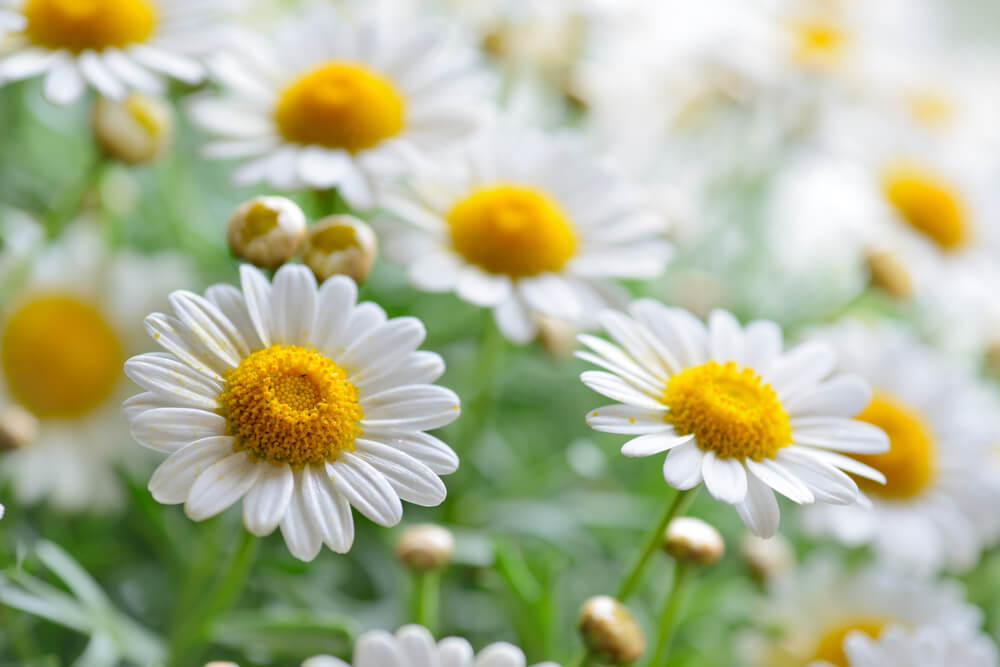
[(674, 508), (671, 611), (425, 603)]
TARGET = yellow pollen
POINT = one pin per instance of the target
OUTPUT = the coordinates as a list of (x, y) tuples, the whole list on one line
[(928, 204), (817, 43), (340, 105), (512, 230), (909, 464), (729, 410), (830, 647), (79, 25), (60, 357), (290, 404)]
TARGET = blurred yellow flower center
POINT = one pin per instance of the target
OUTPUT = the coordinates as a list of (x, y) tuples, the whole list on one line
[(512, 230), (831, 645), (340, 105), (79, 25), (909, 464), (928, 204), (60, 357), (290, 404), (729, 410), (930, 108), (817, 43)]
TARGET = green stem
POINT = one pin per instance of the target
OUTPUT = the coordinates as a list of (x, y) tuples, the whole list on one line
[(676, 507), (588, 659), (671, 610), (71, 205), (426, 599)]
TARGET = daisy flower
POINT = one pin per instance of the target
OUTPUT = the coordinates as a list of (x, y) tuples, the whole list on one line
[(296, 400), (809, 613), (64, 334), (526, 224), (935, 509), (113, 46), (926, 647), (413, 646), (338, 101), (732, 408)]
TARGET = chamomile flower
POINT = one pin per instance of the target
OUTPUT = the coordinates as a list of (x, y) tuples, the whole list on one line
[(935, 509), (113, 46), (926, 647), (526, 224), (732, 408), (298, 401), (810, 612), (339, 101), (413, 646), (64, 334)]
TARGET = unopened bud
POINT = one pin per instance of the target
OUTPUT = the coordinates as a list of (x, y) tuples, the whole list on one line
[(266, 231), (340, 244), (993, 356), (425, 547), (610, 631), (888, 274), (767, 558), (136, 129), (221, 663), (18, 428), (691, 540), (557, 336)]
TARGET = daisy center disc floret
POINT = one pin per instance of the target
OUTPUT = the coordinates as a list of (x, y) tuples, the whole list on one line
[(908, 466), (340, 105), (512, 230), (290, 404), (79, 25), (927, 204), (729, 410)]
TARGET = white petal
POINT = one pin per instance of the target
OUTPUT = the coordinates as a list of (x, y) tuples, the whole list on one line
[(616, 361), (293, 305), (336, 524), (760, 510), (322, 168), (172, 64), (630, 335), (436, 272), (378, 648), (99, 76), (827, 483), (515, 321), (25, 64), (299, 526), (424, 447), (210, 327), (136, 405), (412, 408), (481, 288), (169, 429), (843, 396), (838, 433), (383, 347), (627, 420), (230, 302), (801, 368), (551, 294), (846, 463), (257, 292), (169, 378), (130, 73), (725, 478), (324, 661), (171, 334), (417, 645), (762, 345), (220, 485), (682, 467), (617, 389), (779, 479), (455, 652), (364, 318), (334, 305), (63, 84), (411, 480), (266, 503), (725, 338), (655, 443), (500, 654), (418, 367), (171, 482), (366, 489), (228, 118)]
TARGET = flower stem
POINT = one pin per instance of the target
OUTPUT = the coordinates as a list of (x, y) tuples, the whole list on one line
[(668, 619), (675, 507), (425, 602), (588, 659)]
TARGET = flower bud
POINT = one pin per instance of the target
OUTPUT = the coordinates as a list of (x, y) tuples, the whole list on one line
[(221, 663), (767, 558), (888, 274), (266, 231), (558, 336), (610, 631), (340, 244), (425, 547), (691, 540), (135, 130), (18, 428)]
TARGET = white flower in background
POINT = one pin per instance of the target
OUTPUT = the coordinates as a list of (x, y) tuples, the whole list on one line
[(732, 408), (113, 46), (20, 236), (64, 334), (339, 101), (526, 224), (809, 613), (413, 646), (936, 508), (926, 647), (300, 402)]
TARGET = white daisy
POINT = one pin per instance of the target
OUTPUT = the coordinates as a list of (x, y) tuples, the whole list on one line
[(113, 46), (339, 101), (926, 647), (413, 646), (526, 224), (298, 401), (809, 613), (936, 509), (732, 408), (64, 334)]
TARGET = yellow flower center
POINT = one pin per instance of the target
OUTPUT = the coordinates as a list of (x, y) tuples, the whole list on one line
[(79, 25), (930, 108), (340, 105), (334, 238), (60, 357), (817, 43), (928, 204), (909, 464), (513, 230), (290, 404), (729, 410), (831, 645)]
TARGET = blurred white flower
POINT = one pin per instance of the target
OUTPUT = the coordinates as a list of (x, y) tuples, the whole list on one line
[(298, 401), (926, 647), (732, 408)]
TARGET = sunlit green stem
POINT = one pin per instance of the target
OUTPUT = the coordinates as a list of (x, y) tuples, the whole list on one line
[(674, 508), (671, 610), (425, 602)]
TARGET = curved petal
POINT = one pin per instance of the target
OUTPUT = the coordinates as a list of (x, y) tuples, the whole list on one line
[(759, 510), (169, 429), (366, 489), (266, 503), (725, 478), (220, 485), (172, 480), (293, 305)]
